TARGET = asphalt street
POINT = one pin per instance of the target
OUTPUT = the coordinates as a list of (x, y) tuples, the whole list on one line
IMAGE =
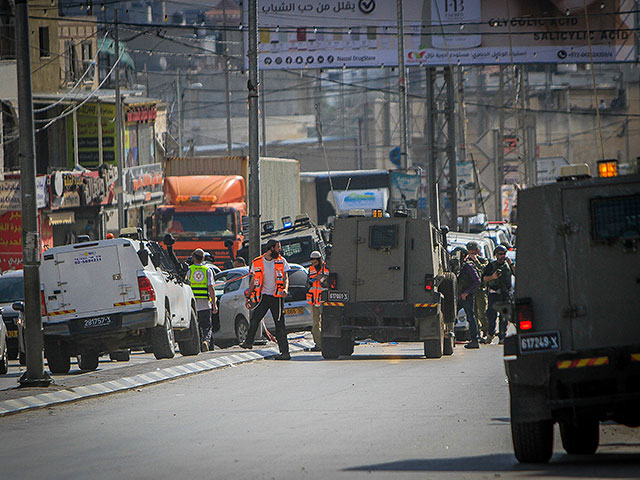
[(385, 413)]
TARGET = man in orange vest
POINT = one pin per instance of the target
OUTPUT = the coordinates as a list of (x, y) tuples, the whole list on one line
[(268, 287), (318, 273)]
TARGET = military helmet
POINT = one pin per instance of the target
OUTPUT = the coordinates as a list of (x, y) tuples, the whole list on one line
[(460, 251), (500, 249), (473, 246)]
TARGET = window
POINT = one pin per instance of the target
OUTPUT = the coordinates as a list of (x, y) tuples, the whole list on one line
[(87, 60), (45, 50), (70, 69)]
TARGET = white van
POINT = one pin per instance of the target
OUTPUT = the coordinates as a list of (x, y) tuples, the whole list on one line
[(114, 294)]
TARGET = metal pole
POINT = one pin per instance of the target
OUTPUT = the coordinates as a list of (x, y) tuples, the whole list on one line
[(462, 147), (569, 145), (451, 149), (432, 157), (35, 375), (180, 118), (227, 90), (263, 117), (76, 155), (359, 146), (497, 147), (254, 154), (119, 150), (100, 148), (404, 160)]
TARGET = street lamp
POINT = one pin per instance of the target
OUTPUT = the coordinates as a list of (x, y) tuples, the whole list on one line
[(180, 99)]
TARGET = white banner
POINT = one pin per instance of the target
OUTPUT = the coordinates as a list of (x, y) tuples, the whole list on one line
[(368, 200), (10, 194), (363, 33)]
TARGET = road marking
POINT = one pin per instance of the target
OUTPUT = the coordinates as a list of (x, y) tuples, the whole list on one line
[(149, 378)]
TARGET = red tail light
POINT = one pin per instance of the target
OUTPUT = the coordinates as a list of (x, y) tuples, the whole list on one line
[(524, 314), (428, 283), (147, 293), (43, 308), (332, 280)]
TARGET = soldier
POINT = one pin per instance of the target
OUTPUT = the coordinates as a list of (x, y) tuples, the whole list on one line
[(201, 278), (468, 284), (318, 272), (497, 275), (480, 296), (268, 287)]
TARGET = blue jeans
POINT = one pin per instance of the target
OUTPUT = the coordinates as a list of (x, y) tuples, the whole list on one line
[(467, 305)]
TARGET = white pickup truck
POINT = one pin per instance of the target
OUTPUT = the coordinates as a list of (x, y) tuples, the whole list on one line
[(114, 294)]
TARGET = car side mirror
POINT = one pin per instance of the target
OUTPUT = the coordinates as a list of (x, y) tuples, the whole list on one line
[(18, 306)]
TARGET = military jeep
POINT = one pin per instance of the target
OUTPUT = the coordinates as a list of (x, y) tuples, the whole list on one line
[(389, 281)]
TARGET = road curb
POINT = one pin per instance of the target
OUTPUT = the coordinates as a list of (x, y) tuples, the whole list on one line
[(22, 404)]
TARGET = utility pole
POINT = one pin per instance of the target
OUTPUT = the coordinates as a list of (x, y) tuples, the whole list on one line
[(179, 107), (451, 149), (263, 116), (404, 159), (462, 138), (429, 135), (254, 154), (227, 90), (35, 376), (119, 150)]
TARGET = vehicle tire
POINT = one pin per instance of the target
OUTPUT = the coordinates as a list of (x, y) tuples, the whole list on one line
[(147, 349), (12, 353), (192, 346), (448, 288), (22, 358), (4, 362), (448, 344), (58, 359), (88, 361), (120, 355), (433, 348), (532, 441), (346, 345), (331, 347), (162, 339), (581, 439), (242, 328)]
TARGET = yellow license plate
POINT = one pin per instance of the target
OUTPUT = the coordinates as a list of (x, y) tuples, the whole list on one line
[(294, 311), (12, 333)]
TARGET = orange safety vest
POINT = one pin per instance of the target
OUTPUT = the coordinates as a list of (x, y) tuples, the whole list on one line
[(258, 278), (313, 295)]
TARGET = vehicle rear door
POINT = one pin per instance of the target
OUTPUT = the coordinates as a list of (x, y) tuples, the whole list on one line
[(91, 280), (380, 260), (604, 295)]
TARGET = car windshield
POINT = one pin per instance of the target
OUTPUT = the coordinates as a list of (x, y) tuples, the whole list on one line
[(192, 223), (297, 250), (11, 289)]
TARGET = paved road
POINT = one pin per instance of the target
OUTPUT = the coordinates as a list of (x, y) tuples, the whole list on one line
[(386, 413)]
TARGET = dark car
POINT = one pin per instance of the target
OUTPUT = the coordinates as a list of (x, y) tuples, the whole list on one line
[(11, 291)]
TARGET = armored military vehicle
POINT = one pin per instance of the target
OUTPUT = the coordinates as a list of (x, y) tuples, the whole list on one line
[(389, 281), (574, 357)]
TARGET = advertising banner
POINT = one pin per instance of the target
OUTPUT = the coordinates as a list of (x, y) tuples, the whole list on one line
[(405, 191), (88, 151), (548, 169), (466, 189), (367, 200), (143, 184), (362, 33), (11, 194), (11, 239)]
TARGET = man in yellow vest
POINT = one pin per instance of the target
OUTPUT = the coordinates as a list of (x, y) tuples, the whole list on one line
[(268, 287), (201, 279), (318, 273)]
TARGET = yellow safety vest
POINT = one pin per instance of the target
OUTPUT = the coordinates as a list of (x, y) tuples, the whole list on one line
[(198, 280)]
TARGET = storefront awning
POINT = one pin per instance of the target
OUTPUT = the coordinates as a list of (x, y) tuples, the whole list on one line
[(62, 218)]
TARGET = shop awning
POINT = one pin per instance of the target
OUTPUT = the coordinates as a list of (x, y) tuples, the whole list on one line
[(62, 218)]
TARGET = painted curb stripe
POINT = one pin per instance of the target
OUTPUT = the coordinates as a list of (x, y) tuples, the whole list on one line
[(149, 378)]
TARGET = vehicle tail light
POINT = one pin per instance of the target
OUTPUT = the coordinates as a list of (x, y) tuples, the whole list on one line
[(43, 308), (428, 283), (332, 280), (147, 293), (524, 314)]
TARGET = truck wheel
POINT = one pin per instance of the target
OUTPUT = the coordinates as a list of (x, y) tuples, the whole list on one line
[(448, 344), (448, 288), (580, 439), (120, 355), (12, 353), (58, 359), (331, 347), (4, 363), (191, 346), (242, 329), (433, 348), (22, 358), (88, 361), (162, 340), (347, 344), (532, 441)]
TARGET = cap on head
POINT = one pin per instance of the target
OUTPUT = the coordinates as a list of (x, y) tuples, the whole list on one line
[(500, 249), (315, 254), (473, 246)]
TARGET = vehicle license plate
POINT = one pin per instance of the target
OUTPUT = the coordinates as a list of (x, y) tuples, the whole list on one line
[(12, 333), (294, 311), (97, 322), (334, 296), (539, 342)]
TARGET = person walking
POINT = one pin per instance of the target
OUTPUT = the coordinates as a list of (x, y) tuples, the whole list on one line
[(480, 296), (318, 273), (268, 287), (497, 275), (201, 278), (468, 284)]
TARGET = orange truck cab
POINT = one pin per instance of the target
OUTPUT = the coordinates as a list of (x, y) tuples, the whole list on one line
[(203, 211)]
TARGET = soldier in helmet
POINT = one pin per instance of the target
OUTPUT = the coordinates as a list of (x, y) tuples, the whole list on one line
[(497, 276), (480, 296), (468, 283)]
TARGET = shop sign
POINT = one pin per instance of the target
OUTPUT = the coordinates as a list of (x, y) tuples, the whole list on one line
[(143, 183), (11, 239), (141, 113), (10, 194)]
